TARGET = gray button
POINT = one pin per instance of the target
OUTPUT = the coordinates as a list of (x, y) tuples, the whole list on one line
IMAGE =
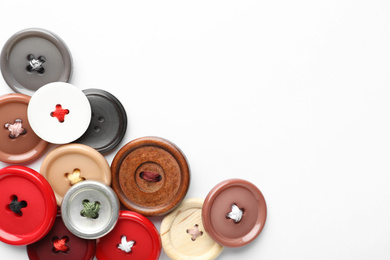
[(32, 58), (90, 209)]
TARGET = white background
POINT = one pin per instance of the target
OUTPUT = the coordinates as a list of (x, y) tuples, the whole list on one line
[(290, 95)]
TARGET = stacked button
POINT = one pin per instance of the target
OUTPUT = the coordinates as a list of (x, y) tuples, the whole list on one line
[(28, 206), (18, 142)]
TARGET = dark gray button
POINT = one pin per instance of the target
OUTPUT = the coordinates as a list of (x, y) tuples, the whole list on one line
[(32, 58), (108, 122)]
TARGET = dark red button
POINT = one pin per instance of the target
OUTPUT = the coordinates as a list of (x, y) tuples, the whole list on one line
[(60, 243), (134, 237), (28, 206)]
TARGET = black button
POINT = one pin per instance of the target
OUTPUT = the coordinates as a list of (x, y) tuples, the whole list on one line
[(108, 122)]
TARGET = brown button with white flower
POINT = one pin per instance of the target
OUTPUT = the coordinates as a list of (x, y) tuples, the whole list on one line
[(70, 164), (18, 142), (234, 212), (150, 176)]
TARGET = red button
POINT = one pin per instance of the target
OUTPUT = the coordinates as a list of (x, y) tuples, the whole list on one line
[(60, 243), (28, 206), (134, 237)]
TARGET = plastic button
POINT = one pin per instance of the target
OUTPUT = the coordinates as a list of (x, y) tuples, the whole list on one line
[(59, 113), (183, 235), (59, 243), (134, 237), (234, 212), (28, 206), (69, 164), (108, 123), (150, 175), (90, 209), (18, 142), (34, 57)]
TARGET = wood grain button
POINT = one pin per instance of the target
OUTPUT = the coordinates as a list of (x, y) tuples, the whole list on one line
[(150, 176), (183, 235), (69, 164)]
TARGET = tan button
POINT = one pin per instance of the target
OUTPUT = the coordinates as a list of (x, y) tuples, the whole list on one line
[(69, 164), (183, 235), (18, 142)]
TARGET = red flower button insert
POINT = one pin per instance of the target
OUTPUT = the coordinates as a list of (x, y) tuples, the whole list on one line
[(134, 237), (28, 206), (60, 243)]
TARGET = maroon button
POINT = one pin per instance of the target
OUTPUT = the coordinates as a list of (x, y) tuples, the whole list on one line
[(234, 212), (60, 243), (134, 237)]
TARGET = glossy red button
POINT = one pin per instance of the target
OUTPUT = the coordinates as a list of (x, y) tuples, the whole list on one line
[(134, 237), (60, 243), (27, 206)]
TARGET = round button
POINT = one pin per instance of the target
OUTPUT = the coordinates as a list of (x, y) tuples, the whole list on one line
[(134, 237), (59, 243), (32, 58), (234, 212), (150, 175), (18, 142), (108, 123), (28, 206), (90, 209), (183, 235), (59, 113), (69, 164)]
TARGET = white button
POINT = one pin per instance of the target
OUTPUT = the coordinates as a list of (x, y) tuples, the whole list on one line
[(59, 113)]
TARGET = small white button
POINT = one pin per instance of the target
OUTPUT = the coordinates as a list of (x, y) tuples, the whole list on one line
[(59, 113)]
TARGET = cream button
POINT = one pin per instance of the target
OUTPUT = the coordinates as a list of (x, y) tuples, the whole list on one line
[(183, 235)]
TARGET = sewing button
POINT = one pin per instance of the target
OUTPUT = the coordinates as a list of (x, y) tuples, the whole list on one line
[(28, 206), (59, 243), (18, 142), (234, 212), (90, 209), (69, 164), (183, 235), (150, 176), (32, 58), (134, 237), (108, 123), (59, 113)]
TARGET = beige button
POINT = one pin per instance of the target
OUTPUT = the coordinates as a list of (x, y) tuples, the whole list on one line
[(183, 235), (69, 164)]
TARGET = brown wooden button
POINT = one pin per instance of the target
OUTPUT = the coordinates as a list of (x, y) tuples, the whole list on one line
[(150, 176), (18, 142)]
